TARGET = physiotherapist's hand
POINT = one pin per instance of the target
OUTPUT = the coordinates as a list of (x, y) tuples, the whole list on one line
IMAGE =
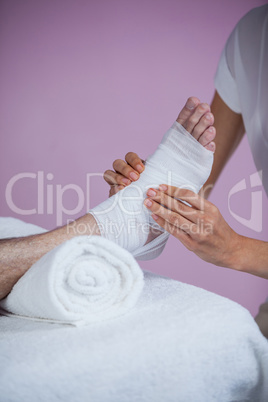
[(201, 227), (125, 172)]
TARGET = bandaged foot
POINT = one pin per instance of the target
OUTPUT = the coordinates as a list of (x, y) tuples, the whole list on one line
[(181, 161)]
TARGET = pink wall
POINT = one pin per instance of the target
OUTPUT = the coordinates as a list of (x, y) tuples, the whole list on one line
[(84, 82)]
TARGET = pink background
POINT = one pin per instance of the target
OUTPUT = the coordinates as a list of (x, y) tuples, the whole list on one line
[(84, 82)]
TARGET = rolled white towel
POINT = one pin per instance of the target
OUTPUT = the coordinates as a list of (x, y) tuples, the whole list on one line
[(84, 280)]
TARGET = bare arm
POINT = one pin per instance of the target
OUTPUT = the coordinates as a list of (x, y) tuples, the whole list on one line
[(230, 130), (222, 245)]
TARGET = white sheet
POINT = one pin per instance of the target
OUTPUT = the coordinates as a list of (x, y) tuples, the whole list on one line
[(180, 343)]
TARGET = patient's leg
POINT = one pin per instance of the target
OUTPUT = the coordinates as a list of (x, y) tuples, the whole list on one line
[(179, 154), (17, 255)]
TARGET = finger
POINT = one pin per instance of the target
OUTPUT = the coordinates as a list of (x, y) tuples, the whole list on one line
[(204, 123), (207, 136), (191, 213), (134, 161), (192, 121), (184, 238), (115, 178), (172, 217), (125, 170), (188, 109), (185, 195)]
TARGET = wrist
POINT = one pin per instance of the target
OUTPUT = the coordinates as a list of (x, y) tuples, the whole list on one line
[(236, 253), (249, 256)]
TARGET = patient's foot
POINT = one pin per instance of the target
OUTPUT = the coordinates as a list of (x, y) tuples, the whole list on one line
[(197, 119), (183, 159)]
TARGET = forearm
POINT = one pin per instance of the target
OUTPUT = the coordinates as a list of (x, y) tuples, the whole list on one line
[(229, 132), (251, 257)]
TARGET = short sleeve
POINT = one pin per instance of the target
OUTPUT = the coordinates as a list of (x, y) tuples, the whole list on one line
[(225, 82)]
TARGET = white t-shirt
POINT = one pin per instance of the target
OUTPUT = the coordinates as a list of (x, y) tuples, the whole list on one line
[(242, 81)]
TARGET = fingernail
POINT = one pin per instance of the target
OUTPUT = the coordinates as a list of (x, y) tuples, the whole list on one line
[(126, 181), (148, 203), (208, 116), (134, 176), (139, 168), (151, 193), (163, 187), (155, 217)]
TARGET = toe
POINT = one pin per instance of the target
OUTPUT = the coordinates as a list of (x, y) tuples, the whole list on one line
[(196, 116), (211, 146), (188, 109), (207, 136), (204, 123)]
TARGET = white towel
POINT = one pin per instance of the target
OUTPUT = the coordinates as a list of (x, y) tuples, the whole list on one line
[(84, 280)]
